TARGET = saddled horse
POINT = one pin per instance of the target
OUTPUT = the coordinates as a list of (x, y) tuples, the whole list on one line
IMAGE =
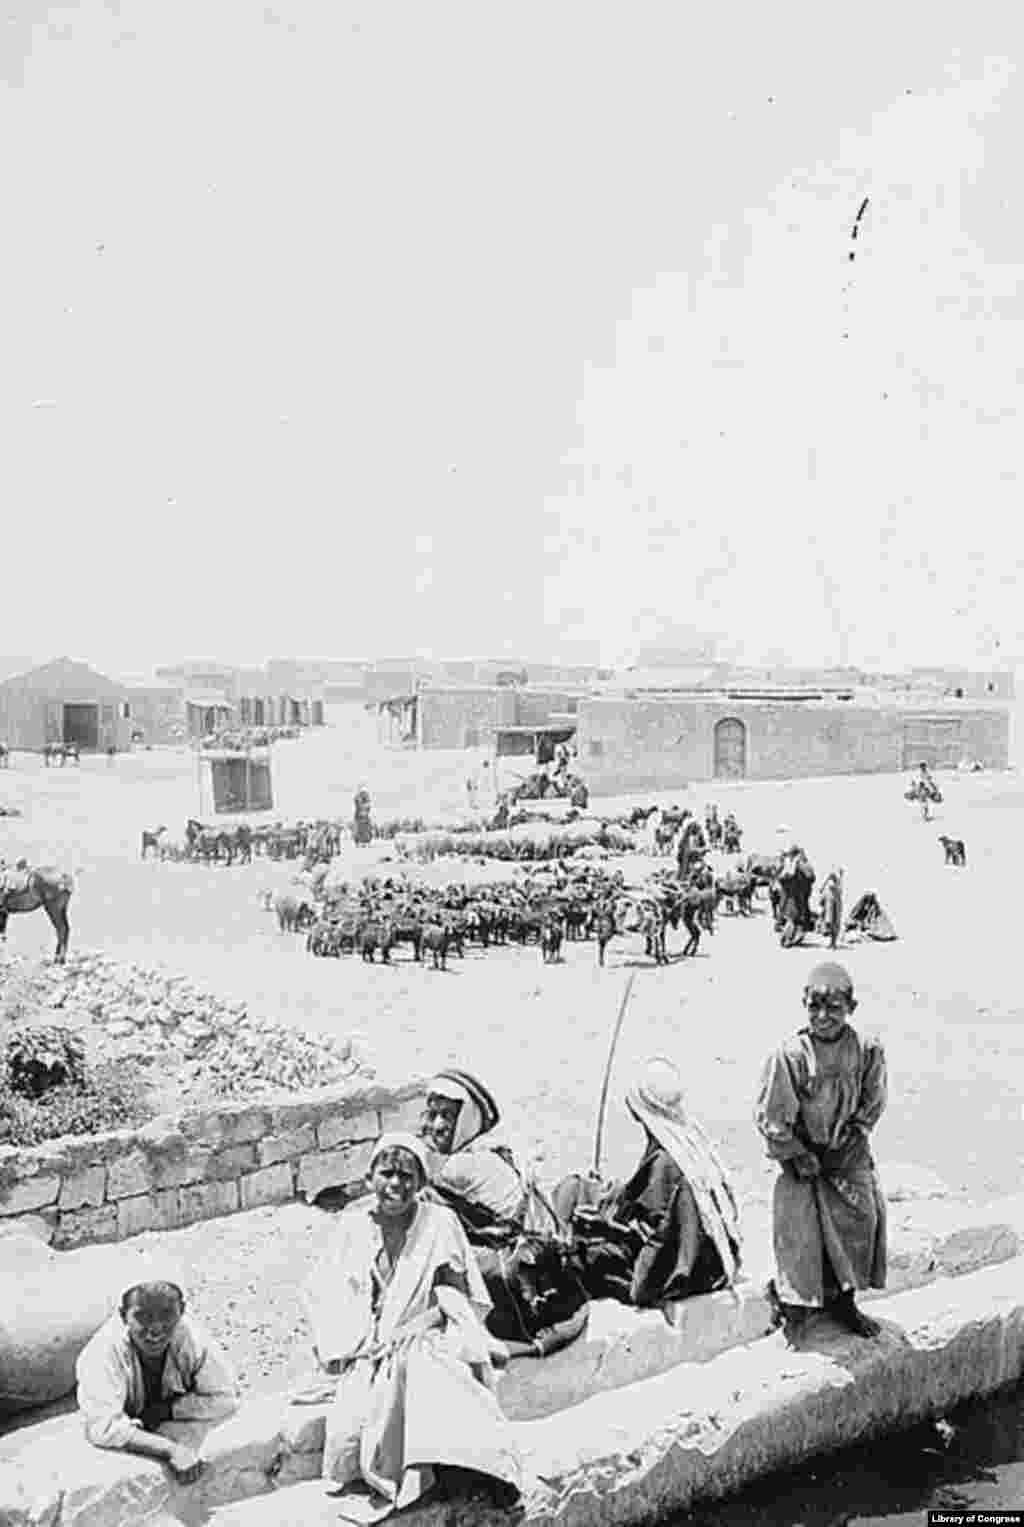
[(26, 890)]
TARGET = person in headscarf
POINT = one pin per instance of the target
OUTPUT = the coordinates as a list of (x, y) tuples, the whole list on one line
[(830, 905), (362, 825), (672, 1229), (868, 918), (821, 1095), (397, 1310), (539, 1305), (152, 1362)]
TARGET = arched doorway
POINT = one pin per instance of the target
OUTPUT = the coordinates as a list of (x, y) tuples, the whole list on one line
[(730, 749)]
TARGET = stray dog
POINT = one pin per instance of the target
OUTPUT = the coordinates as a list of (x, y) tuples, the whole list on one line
[(955, 851)]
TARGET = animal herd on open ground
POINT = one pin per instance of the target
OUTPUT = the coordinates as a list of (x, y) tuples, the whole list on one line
[(582, 902)]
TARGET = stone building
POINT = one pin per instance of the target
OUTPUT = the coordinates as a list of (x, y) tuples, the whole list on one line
[(470, 715), (662, 743), (65, 701)]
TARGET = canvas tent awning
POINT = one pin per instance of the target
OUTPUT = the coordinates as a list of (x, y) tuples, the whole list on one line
[(521, 741)]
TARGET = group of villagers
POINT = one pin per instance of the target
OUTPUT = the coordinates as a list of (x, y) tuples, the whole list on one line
[(457, 1263)]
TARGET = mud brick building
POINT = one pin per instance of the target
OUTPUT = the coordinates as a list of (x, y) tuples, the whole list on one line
[(664, 742), (65, 701), (471, 715)]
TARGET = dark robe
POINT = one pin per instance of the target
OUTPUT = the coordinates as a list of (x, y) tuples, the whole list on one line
[(642, 1242), (536, 1292)]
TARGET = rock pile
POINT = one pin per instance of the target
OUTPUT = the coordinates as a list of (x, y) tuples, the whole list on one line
[(216, 1048)]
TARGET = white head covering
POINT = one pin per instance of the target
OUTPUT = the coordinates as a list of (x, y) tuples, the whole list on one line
[(658, 1103), (471, 1121), (401, 1140)]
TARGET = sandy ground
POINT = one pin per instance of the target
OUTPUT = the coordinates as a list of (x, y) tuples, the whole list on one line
[(947, 998)]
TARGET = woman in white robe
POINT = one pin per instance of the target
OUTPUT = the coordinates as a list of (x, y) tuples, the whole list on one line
[(397, 1311)]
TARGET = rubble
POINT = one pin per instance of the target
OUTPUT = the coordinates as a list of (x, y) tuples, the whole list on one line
[(215, 1048)]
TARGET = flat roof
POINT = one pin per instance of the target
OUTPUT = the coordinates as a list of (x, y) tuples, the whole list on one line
[(867, 699), (542, 726)]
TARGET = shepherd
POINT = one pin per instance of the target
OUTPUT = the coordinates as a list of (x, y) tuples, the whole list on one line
[(362, 826), (672, 1229), (821, 1095)]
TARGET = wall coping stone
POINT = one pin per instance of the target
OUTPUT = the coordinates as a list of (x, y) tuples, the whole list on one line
[(695, 1433), (79, 1181)]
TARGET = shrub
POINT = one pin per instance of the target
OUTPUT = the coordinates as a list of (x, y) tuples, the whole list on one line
[(109, 1097), (39, 1057)]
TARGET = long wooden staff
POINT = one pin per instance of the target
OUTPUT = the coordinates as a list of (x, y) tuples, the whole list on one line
[(603, 1104)]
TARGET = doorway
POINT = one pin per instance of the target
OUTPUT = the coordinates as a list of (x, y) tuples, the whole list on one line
[(82, 726), (730, 749)]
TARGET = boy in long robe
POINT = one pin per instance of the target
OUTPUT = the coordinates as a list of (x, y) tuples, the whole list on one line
[(398, 1316), (672, 1229), (151, 1363), (821, 1095)]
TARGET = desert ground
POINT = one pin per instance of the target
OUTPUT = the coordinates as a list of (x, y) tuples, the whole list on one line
[(947, 997)]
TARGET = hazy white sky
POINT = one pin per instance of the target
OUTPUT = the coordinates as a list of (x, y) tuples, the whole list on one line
[(271, 273)]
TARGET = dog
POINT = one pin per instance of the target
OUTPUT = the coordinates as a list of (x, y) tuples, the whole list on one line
[(955, 851)]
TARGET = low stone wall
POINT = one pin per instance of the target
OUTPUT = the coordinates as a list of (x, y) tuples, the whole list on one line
[(201, 1164)]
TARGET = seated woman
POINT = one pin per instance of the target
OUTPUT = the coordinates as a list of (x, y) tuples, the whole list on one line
[(151, 1363), (868, 919), (397, 1312), (672, 1230), (539, 1303)]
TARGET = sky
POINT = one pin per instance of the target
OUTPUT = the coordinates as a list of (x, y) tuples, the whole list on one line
[(350, 329)]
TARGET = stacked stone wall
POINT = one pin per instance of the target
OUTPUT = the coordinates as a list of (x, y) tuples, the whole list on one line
[(201, 1164)]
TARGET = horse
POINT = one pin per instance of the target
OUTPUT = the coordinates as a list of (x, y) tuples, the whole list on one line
[(955, 850), (28, 890)]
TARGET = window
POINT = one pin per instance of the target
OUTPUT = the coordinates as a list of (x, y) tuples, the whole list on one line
[(126, 711), (958, 693), (573, 707), (595, 747), (990, 688), (472, 737)]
